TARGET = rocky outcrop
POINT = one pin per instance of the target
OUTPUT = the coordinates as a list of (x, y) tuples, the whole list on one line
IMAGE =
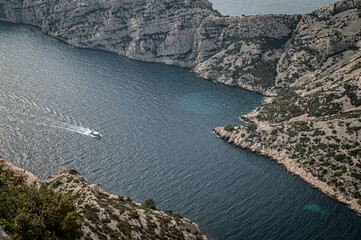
[(319, 38), (158, 31), (107, 216), (314, 129), (267, 63), (311, 124), (3, 235), (29, 177)]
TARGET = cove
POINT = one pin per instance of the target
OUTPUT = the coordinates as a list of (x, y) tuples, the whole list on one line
[(156, 123)]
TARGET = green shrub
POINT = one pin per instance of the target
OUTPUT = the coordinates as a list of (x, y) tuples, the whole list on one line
[(134, 214), (265, 72), (73, 172), (356, 175), (27, 212), (252, 127), (56, 184), (339, 157), (169, 212), (149, 203), (229, 128), (356, 195)]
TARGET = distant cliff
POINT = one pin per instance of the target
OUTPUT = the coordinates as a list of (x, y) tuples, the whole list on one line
[(261, 53), (179, 32)]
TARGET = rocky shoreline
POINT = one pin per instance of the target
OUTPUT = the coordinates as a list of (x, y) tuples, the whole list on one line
[(291, 166), (108, 216)]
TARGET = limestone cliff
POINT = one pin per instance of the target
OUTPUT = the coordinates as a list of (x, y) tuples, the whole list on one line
[(177, 32), (261, 53)]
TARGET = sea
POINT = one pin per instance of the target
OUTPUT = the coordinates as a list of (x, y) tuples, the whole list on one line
[(156, 122)]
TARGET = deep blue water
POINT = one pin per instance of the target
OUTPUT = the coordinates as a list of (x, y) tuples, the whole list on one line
[(156, 121), (254, 7)]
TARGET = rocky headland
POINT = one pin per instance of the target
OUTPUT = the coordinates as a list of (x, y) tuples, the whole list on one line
[(312, 125), (107, 216), (307, 66)]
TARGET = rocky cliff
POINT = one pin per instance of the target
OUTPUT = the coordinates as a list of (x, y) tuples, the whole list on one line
[(312, 125), (107, 216), (178, 32), (262, 53)]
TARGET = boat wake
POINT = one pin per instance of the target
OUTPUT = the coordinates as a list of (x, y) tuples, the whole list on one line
[(46, 117), (72, 128)]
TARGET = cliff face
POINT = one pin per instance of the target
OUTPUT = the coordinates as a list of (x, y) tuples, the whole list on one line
[(262, 53), (177, 32), (159, 31), (318, 43), (266, 63)]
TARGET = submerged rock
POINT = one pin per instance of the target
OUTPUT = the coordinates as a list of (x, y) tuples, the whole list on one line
[(315, 208)]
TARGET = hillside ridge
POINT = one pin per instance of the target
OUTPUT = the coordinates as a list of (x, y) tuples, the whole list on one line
[(108, 216)]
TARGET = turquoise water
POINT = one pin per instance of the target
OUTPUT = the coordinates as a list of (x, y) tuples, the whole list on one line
[(255, 7), (315, 208), (156, 121)]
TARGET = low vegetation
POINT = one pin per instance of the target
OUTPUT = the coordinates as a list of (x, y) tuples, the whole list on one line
[(116, 217), (28, 212), (313, 123)]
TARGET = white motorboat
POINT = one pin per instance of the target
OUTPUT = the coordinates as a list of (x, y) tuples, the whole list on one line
[(95, 134)]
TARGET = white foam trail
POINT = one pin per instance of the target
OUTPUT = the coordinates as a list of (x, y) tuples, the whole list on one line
[(71, 128), (36, 105), (72, 125)]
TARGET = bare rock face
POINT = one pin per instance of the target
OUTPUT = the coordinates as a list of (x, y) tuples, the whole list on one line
[(232, 48), (151, 30), (3, 235), (262, 53), (320, 36), (177, 32)]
